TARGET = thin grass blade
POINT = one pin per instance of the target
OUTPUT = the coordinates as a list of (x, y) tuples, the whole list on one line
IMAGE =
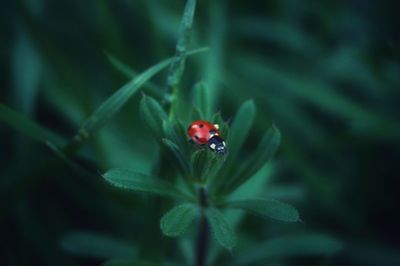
[(115, 102), (28, 127), (130, 73)]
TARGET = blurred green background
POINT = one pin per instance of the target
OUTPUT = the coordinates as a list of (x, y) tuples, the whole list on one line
[(327, 73)]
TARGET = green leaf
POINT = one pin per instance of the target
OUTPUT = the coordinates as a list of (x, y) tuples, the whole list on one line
[(267, 147), (27, 127), (182, 135), (216, 161), (120, 66), (240, 129), (90, 244), (268, 208), (200, 100), (176, 221), (153, 114), (205, 164), (238, 133), (132, 180), (170, 133), (179, 155), (115, 102), (265, 151), (289, 246), (221, 229), (129, 72), (200, 162), (255, 185)]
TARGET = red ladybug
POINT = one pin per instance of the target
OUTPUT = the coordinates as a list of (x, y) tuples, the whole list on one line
[(203, 132)]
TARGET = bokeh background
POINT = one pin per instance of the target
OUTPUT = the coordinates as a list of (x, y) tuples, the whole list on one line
[(327, 73)]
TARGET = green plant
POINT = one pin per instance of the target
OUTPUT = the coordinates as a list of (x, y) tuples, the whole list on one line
[(203, 182), (203, 185)]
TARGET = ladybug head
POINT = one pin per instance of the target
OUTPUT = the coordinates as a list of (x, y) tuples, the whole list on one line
[(217, 144)]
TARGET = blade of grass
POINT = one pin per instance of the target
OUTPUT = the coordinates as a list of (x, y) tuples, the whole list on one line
[(114, 103), (27, 127), (130, 73)]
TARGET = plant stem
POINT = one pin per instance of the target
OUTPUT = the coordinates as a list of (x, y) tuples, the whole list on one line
[(203, 230)]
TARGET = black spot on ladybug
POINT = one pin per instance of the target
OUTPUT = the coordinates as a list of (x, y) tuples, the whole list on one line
[(197, 137), (201, 125)]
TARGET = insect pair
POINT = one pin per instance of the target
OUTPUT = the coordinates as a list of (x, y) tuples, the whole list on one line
[(204, 133)]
